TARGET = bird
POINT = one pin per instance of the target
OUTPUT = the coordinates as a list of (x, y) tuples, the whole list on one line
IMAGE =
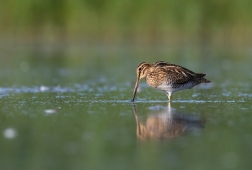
[(167, 77)]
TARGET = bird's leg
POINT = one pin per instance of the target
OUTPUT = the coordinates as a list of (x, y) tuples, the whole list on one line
[(169, 97)]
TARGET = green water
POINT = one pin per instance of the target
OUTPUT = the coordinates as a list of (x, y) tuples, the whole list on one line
[(70, 108)]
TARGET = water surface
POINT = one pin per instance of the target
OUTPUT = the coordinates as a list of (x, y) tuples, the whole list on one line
[(71, 109)]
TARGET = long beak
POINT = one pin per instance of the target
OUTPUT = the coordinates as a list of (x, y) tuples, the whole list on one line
[(135, 89)]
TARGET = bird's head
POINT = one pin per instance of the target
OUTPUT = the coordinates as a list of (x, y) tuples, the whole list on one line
[(141, 72)]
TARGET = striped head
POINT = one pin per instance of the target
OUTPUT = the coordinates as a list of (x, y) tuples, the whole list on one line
[(141, 72)]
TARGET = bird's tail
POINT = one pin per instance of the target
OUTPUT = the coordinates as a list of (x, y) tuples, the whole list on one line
[(201, 78)]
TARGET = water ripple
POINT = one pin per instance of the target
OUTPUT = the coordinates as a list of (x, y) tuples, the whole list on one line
[(99, 93)]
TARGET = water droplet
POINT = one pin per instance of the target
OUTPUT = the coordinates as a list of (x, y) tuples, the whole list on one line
[(50, 111), (9, 133), (43, 88)]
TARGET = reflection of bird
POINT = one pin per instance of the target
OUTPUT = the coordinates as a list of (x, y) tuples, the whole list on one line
[(166, 124), (167, 77)]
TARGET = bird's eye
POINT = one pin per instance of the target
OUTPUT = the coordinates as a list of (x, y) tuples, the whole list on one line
[(140, 69)]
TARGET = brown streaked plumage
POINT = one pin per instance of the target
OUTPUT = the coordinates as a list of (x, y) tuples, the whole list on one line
[(167, 77)]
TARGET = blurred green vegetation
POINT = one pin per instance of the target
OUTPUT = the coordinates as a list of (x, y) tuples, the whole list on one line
[(162, 21)]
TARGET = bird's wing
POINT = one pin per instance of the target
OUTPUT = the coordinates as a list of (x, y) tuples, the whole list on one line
[(176, 73)]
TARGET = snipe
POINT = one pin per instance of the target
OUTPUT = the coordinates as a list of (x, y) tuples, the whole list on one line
[(167, 77)]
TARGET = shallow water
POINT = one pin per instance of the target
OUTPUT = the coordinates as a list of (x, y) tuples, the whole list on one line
[(71, 109)]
